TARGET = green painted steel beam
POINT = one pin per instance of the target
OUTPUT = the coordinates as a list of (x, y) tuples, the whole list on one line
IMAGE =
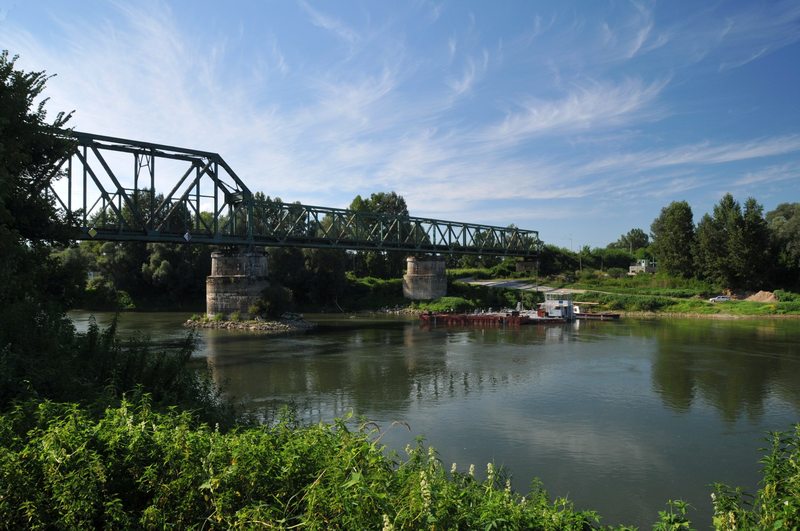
[(207, 203)]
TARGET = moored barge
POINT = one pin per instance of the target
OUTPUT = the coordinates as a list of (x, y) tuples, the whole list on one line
[(556, 309)]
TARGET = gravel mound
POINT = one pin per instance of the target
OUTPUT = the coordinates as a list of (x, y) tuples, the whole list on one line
[(762, 296)]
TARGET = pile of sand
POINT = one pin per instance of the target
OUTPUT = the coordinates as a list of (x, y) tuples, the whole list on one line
[(762, 296)]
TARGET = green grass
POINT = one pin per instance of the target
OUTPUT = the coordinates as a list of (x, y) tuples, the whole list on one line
[(447, 304), (649, 303)]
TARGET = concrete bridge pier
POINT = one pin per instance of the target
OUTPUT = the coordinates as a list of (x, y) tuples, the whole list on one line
[(236, 282), (425, 278)]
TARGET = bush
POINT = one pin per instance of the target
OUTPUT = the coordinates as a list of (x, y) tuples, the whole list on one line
[(275, 301), (777, 503), (447, 304), (101, 294), (786, 296), (135, 468), (616, 272), (370, 293)]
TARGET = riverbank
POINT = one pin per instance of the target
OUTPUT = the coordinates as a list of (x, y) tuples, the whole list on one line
[(712, 316)]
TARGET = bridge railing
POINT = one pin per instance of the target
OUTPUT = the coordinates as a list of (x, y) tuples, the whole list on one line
[(107, 191)]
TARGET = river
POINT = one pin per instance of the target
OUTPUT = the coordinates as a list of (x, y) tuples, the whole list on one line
[(617, 416)]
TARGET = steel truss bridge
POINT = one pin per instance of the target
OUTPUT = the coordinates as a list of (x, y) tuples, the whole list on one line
[(108, 190)]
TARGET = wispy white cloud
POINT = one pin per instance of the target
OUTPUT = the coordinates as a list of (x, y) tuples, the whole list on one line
[(600, 106), (474, 70), (331, 24), (771, 174), (759, 30), (452, 46), (703, 153)]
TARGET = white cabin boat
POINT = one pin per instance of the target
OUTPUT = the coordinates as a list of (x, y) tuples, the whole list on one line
[(558, 304)]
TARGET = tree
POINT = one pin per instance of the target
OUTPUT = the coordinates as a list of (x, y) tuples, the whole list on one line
[(30, 226), (33, 294), (673, 239), (375, 263), (784, 227), (733, 246), (632, 241), (756, 242)]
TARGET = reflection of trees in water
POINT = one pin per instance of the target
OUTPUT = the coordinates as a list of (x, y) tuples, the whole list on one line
[(733, 366), (366, 370)]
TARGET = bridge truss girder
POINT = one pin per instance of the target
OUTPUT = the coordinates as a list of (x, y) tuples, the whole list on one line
[(108, 192)]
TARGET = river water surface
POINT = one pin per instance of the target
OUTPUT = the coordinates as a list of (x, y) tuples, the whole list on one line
[(617, 416)]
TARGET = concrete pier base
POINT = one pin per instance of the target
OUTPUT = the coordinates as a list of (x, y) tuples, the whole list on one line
[(425, 279), (235, 283)]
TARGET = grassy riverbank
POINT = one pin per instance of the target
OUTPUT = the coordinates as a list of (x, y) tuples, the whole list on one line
[(650, 295)]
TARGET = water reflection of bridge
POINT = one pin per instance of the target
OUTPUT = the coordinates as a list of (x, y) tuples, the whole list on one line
[(385, 368)]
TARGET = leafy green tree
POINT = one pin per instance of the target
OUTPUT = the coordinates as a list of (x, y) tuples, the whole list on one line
[(632, 241), (757, 261), (376, 263), (733, 246), (708, 255), (673, 239), (556, 260), (327, 269), (175, 274), (287, 267), (34, 286), (784, 226)]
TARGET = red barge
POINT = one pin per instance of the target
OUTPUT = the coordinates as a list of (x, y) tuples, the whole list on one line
[(488, 319), (556, 309)]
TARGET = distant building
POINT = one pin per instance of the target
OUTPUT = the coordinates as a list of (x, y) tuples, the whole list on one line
[(642, 266)]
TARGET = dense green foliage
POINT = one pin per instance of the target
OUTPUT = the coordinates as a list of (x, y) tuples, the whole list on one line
[(633, 240), (374, 263), (448, 304), (777, 503), (370, 293), (133, 467), (673, 239)]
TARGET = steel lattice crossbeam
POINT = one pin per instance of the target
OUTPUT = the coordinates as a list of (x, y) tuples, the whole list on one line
[(107, 190)]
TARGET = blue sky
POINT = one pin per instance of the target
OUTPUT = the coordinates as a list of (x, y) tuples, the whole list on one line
[(577, 119)]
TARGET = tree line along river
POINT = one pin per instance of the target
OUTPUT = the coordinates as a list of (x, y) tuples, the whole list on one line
[(617, 416)]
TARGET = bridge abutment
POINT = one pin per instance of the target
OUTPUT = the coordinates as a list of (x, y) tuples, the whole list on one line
[(235, 283), (425, 278)]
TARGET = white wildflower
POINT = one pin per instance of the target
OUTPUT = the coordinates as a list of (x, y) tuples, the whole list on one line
[(508, 485), (387, 525), (489, 472), (453, 468), (472, 470), (424, 489)]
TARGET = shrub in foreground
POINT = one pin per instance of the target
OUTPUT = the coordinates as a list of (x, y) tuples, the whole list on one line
[(135, 467)]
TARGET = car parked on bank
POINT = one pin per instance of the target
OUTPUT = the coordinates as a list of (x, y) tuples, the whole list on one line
[(719, 298)]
